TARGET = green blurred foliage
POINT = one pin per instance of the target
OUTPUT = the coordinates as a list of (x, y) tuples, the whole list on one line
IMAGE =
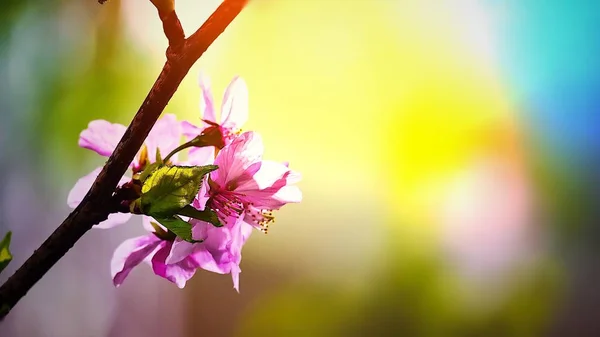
[(111, 87), (10, 12), (410, 296)]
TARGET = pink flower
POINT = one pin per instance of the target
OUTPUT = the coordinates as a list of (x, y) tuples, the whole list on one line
[(102, 137), (243, 191), (234, 113), (221, 249), (220, 252), (247, 188), (154, 251)]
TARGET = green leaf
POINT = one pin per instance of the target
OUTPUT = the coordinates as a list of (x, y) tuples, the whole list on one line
[(5, 255), (179, 227), (206, 215), (148, 170), (170, 188)]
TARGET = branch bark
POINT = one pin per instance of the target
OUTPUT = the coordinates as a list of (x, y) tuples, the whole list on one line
[(95, 207)]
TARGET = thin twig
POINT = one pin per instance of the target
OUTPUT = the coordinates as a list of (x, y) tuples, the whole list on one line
[(93, 208)]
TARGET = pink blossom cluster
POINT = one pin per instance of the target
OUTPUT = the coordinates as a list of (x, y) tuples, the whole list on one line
[(243, 191)]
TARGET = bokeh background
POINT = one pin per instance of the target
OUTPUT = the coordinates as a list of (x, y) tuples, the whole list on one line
[(449, 152)]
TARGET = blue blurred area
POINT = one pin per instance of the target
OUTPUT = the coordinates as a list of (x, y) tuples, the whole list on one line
[(550, 55)]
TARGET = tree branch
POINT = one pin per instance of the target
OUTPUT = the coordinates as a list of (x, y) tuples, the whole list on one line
[(171, 25), (95, 206), (172, 28)]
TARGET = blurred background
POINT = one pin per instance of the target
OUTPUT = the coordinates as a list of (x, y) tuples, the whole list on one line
[(449, 152)]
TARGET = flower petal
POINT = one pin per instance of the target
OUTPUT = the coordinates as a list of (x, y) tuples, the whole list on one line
[(234, 111), (271, 187), (179, 251), (81, 188), (129, 254), (243, 233), (236, 158), (113, 220), (189, 130), (289, 194), (221, 252), (203, 196), (269, 174), (165, 135), (201, 156), (182, 249), (101, 136), (214, 253), (235, 277), (177, 273), (207, 106)]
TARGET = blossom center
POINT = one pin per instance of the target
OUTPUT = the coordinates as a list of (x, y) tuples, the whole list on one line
[(226, 204), (261, 218)]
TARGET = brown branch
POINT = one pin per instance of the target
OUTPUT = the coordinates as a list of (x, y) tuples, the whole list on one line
[(93, 208), (171, 25), (173, 30)]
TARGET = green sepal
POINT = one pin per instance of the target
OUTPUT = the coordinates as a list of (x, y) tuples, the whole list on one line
[(5, 255), (170, 188), (206, 215), (158, 156), (178, 227), (161, 233)]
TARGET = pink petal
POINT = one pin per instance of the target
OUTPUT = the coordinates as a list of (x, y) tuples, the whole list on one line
[(81, 188), (165, 135), (203, 196), (201, 156), (113, 220), (234, 159), (129, 254), (101, 136), (177, 273), (207, 106), (214, 253), (179, 251), (205, 260), (234, 111), (293, 177), (189, 130), (147, 226), (270, 187), (289, 194), (221, 252), (241, 235), (182, 249), (235, 277), (197, 155), (245, 231), (269, 173)]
